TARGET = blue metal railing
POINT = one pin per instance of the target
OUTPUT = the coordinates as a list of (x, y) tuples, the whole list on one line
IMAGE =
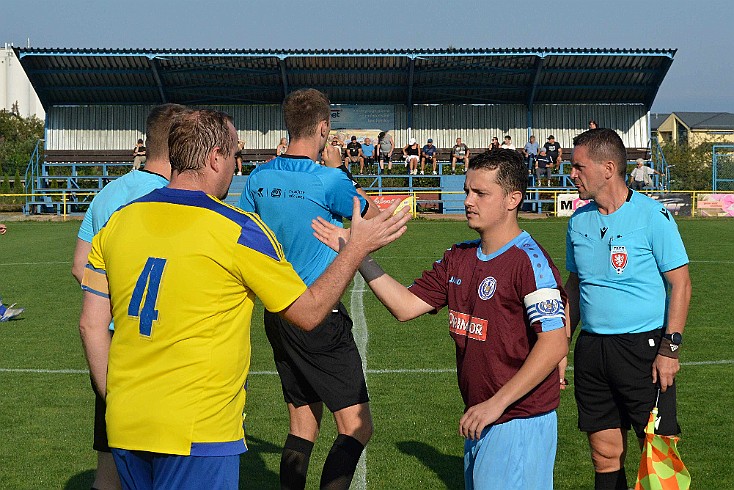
[(32, 175), (659, 163)]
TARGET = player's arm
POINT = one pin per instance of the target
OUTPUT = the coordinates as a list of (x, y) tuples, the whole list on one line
[(665, 368), (398, 299), (81, 254), (367, 235), (545, 355), (94, 331)]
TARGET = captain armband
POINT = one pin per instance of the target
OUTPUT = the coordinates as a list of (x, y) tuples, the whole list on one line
[(546, 306)]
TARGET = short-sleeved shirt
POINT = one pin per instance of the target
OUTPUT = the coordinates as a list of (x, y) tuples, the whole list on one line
[(429, 150), (639, 173), (368, 150), (117, 193), (459, 150), (544, 161), (531, 148), (353, 149), (620, 259), (289, 192), (507, 146), (552, 150), (498, 304), (182, 270)]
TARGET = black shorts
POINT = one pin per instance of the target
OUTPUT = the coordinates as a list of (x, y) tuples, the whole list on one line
[(613, 383), (385, 157), (369, 160), (318, 366), (99, 442)]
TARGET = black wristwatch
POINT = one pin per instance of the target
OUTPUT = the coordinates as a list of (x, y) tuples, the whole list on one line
[(675, 338)]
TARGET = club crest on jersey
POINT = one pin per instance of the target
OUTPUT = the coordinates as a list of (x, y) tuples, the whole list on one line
[(487, 288), (619, 258), (549, 307)]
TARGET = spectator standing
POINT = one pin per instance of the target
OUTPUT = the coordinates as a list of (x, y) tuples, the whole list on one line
[(428, 153), (238, 156), (354, 154), (324, 366), (368, 154), (506, 316), (531, 153), (629, 286), (507, 143), (459, 152), (186, 432), (139, 155), (386, 146), (8, 312), (640, 175), (117, 193), (411, 153), (543, 167)]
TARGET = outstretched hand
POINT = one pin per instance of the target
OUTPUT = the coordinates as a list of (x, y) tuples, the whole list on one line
[(3, 229), (369, 235), (329, 234)]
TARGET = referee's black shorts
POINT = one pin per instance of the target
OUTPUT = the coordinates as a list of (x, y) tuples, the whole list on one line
[(613, 383), (323, 365)]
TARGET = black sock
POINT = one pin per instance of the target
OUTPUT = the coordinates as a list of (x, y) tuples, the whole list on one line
[(294, 462), (616, 480), (341, 462)]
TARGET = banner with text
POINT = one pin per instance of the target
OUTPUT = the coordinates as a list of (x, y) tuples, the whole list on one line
[(566, 204)]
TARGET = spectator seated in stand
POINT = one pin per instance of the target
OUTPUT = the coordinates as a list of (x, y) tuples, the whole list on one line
[(354, 155), (459, 152), (411, 153), (368, 154), (543, 166), (428, 153)]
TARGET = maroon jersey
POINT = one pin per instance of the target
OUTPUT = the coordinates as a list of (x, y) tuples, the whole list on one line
[(497, 304)]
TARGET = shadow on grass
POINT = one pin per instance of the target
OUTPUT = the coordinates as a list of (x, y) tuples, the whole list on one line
[(254, 473), (450, 469), (80, 481)]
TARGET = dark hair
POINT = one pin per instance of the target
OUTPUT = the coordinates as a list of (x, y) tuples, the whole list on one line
[(604, 144), (596, 125), (381, 135), (303, 110), (512, 173), (140, 142), (157, 127), (194, 134)]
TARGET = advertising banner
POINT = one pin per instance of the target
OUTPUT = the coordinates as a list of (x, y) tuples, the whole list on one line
[(719, 205), (566, 204), (385, 201)]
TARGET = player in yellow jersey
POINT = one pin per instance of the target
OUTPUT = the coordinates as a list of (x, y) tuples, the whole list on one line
[(179, 271)]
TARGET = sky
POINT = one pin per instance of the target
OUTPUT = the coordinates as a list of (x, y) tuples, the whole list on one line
[(700, 79)]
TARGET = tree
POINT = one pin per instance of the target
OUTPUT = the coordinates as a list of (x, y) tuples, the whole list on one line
[(18, 137), (691, 166)]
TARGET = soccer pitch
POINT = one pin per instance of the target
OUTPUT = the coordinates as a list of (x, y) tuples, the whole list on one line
[(46, 401)]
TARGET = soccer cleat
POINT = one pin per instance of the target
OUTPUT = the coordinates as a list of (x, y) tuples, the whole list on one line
[(8, 312)]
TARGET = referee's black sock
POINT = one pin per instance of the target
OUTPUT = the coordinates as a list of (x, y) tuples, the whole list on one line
[(294, 462), (616, 480), (341, 463)]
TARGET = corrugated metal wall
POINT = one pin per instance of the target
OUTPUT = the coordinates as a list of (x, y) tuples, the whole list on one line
[(261, 126)]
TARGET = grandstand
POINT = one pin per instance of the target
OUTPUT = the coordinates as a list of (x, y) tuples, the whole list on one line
[(96, 102)]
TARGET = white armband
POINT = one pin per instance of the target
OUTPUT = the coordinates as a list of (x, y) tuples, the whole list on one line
[(543, 305)]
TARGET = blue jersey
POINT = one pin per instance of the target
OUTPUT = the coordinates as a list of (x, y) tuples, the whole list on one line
[(368, 150), (288, 192), (620, 259), (115, 194)]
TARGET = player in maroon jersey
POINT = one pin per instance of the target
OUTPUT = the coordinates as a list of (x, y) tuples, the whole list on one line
[(506, 314)]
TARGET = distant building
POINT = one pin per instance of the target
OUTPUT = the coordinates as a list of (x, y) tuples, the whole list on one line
[(16, 92), (694, 128)]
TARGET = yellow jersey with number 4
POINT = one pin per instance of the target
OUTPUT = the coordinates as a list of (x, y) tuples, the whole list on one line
[(182, 270)]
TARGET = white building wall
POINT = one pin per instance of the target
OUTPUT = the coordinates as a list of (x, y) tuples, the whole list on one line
[(16, 88), (119, 127)]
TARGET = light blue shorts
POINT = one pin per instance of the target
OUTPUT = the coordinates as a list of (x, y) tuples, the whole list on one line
[(518, 454)]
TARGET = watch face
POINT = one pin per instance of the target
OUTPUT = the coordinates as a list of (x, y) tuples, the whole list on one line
[(676, 338)]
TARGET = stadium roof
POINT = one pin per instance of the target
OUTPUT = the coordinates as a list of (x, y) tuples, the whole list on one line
[(432, 76)]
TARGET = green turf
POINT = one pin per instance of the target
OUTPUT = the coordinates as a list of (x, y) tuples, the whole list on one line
[(46, 418)]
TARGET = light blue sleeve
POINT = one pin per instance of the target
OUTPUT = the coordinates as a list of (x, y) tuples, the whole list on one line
[(246, 202), (86, 230), (570, 260), (339, 192), (667, 244)]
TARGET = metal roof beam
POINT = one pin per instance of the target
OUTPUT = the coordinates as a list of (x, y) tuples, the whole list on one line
[(283, 76), (411, 77), (646, 71), (534, 86), (154, 68)]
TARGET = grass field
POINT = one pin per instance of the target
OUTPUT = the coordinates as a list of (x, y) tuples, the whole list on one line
[(46, 401)]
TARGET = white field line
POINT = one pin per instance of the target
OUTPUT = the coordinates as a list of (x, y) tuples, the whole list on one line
[(722, 362), (361, 337)]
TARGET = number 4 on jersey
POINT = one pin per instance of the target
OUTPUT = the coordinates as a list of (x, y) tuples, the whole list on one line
[(148, 283)]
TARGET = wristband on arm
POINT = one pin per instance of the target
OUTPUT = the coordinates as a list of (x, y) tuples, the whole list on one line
[(669, 349)]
